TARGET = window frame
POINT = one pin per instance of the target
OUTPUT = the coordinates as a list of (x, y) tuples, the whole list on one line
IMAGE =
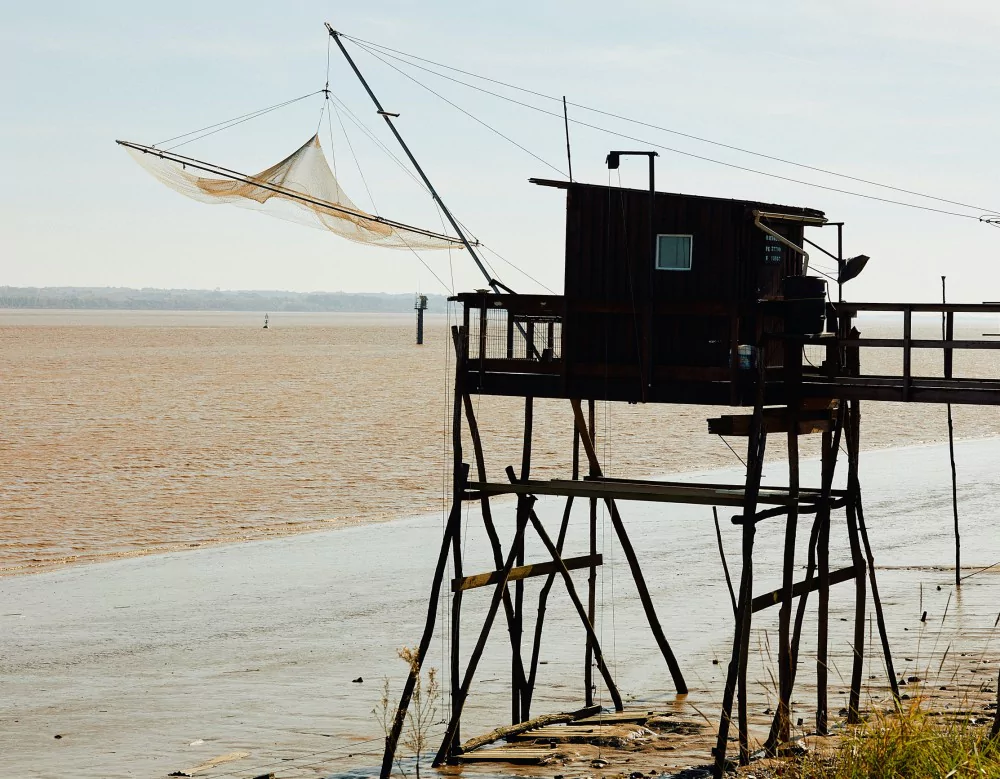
[(656, 259)]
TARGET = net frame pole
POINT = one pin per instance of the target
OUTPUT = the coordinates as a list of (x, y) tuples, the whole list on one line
[(416, 165)]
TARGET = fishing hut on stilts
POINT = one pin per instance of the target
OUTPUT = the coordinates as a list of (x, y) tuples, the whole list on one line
[(680, 299), (668, 299)]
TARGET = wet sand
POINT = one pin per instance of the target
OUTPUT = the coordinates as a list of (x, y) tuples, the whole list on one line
[(147, 666)]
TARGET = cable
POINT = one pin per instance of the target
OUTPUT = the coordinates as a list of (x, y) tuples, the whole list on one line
[(231, 122), (515, 267), (386, 50), (734, 451), (374, 139), (710, 159), (356, 163), (467, 113)]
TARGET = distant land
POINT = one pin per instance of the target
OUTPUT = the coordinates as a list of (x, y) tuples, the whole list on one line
[(124, 298)]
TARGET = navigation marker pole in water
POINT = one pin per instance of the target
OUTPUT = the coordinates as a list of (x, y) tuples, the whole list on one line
[(420, 306)]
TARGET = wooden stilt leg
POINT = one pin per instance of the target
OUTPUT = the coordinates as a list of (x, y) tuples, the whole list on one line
[(571, 589), (517, 687), (876, 600), (460, 473), (491, 532), (477, 652), (823, 569), (452, 528), (858, 560), (736, 672), (543, 595), (633, 562), (588, 660), (800, 613), (529, 687), (785, 614), (995, 730)]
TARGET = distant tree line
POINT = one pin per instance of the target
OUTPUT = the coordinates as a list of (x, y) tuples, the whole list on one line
[(124, 298)]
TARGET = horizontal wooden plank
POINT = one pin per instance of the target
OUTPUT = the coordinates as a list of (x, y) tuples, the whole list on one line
[(508, 755), (611, 717), (958, 308), (918, 343), (800, 588), (776, 420), (662, 492), (523, 572)]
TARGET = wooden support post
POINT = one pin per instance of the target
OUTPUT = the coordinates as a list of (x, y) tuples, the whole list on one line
[(907, 374), (876, 600), (491, 532), (523, 504), (995, 730), (459, 477), (948, 334), (451, 529), (633, 562), (829, 456), (477, 653), (536, 647), (788, 582), (588, 660), (800, 611), (853, 425), (736, 672), (578, 604)]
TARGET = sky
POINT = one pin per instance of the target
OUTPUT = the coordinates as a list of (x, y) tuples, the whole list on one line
[(901, 93)]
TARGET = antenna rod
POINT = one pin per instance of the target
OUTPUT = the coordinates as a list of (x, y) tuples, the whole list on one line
[(437, 198), (569, 156)]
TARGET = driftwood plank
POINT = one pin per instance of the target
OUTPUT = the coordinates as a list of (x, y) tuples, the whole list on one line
[(531, 756), (508, 731)]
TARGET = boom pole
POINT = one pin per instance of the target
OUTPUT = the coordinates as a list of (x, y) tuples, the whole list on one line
[(427, 182)]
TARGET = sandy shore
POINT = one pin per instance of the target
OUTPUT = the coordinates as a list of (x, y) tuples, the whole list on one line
[(147, 666)]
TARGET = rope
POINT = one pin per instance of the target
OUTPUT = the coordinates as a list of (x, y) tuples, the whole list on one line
[(515, 267), (467, 113), (230, 122), (374, 139), (389, 52)]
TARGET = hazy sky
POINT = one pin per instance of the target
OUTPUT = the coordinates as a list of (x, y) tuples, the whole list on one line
[(899, 92)]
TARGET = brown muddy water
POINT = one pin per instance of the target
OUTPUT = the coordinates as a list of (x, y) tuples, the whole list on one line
[(125, 434)]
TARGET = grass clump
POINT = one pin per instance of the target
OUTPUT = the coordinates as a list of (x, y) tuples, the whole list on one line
[(908, 744)]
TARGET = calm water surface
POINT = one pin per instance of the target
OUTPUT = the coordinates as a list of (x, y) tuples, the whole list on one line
[(126, 433)]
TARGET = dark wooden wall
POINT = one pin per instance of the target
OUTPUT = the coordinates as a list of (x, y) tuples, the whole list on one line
[(621, 311)]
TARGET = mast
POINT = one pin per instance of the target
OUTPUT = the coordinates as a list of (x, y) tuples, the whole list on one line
[(496, 286)]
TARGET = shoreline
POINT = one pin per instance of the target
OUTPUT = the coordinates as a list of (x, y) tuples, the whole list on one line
[(272, 533), (153, 664)]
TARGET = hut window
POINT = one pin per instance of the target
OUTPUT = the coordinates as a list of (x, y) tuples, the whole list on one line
[(673, 252)]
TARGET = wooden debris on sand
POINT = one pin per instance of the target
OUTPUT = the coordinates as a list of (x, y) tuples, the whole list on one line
[(512, 754)]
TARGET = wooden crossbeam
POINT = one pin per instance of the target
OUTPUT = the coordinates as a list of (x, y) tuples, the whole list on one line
[(523, 572), (774, 597), (664, 492), (775, 421)]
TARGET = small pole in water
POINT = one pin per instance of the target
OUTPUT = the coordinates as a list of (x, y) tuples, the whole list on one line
[(947, 335), (420, 306), (265, 321)]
